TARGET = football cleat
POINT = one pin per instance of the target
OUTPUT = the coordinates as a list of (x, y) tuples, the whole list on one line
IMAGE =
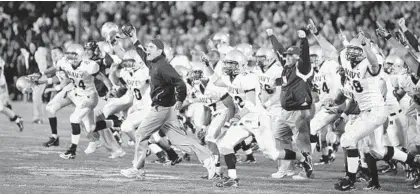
[(345, 184), (416, 183), (52, 142), (69, 154), (391, 167), (117, 154), (19, 123), (176, 161), (362, 177), (307, 166), (228, 182), (91, 148), (134, 173), (372, 187), (215, 177), (279, 174)]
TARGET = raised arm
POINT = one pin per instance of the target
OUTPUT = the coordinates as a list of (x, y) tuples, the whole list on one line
[(410, 36), (277, 46), (329, 49), (304, 65)]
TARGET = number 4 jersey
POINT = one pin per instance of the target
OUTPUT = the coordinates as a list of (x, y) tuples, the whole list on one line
[(365, 86), (83, 76), (327, 81)]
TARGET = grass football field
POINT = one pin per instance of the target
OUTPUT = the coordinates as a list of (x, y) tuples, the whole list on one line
[(28, 167)]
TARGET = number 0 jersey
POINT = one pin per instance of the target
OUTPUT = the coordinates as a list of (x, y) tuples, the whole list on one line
[(83, 76), (365, 86), (138, 86), (238, 88)]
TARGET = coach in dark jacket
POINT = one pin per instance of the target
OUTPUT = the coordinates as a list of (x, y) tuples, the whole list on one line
[(168, 91), (295, 97)]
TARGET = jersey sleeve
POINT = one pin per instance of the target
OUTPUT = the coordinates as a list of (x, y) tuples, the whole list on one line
[(93, 68)]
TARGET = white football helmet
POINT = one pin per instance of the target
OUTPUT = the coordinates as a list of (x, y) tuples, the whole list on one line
[(394, 65), (317, 56), (355, 52), (24, 84), (109, 31), (247, 50), (234, 63), (265, 56), (74, 54), (132, 61), (221, 39)]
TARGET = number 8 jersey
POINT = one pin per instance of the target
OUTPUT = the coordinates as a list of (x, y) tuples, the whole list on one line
[(83, 76), (365, 86), (138, 87)]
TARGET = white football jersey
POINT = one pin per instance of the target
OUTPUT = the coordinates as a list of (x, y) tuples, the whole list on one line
[(138, 86), (2, 78), (366, 88), (83, 76), (240, 85), (412, 87), (60, 73), (327, 81), (391, 101), (267, 81)]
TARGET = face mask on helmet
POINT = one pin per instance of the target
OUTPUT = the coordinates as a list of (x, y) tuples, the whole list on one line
[(130, 64), (74, 54), (92, 50), (354, 53), (231, 68), (197, 74)]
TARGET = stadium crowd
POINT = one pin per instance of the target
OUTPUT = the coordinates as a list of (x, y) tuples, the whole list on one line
[(185, 26)]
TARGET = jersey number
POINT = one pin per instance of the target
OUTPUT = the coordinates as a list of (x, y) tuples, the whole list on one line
[(325, 88), (80, 85), (239, 101), (357, 87), (268, 89), (212, 106), (137, 94)]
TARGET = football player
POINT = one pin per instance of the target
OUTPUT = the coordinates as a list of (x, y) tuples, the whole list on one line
[(361, 68), (82, 93), (5, 107)]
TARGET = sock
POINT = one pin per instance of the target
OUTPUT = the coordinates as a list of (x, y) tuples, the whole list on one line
[(399, 155), (155, 148), (53, 125), (75, 135), (313, 139), (410, 161), (15, 118), (373, 170), (289, 155), (172, 155), (353, 163), (230, 160), (218, 168), (346, 164), (73, 147)]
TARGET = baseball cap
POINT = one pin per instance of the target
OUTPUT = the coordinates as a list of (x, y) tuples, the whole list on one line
[(158, 43), (293, 50)]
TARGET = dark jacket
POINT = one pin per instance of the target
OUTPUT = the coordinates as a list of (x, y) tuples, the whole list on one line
[(166, 85), (295, 81)]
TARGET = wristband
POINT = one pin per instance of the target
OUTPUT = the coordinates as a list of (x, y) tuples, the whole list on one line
[(343, 115), (57, 88), (49, 81)]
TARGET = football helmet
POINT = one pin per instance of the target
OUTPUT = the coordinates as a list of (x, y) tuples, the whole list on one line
[(104, 48), (74, 54), (265, 56), (221, 39), (109, 31), (132, 61), (316, 55), (394, 65), (234, 62), (24, 84), (92, 50), (247, 50), (355, 52), (196, 72)]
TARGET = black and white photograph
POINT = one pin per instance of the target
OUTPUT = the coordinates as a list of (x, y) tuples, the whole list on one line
[(234, 97)]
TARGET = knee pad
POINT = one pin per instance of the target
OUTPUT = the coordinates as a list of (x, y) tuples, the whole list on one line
[(75, 129), (225, 147), (74, 118), (50, 108), (347, 141)]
